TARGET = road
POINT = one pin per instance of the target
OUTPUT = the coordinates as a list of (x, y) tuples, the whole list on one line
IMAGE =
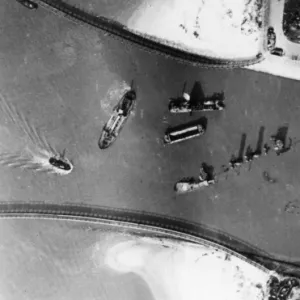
[(276, 19), (287, 65), (58, 75)]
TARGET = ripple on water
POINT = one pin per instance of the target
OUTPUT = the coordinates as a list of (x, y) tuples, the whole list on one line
[(51, 56)]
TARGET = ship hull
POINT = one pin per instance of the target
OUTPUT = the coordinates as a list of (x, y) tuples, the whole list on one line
[(116, 122), (183, 133), (212, 103)]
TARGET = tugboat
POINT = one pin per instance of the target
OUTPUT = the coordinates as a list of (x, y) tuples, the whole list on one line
[(120, 114), (28, 4), (183, 104), (183, 132)]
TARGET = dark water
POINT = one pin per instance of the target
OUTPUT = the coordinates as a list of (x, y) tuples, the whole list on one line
[(59, 75)]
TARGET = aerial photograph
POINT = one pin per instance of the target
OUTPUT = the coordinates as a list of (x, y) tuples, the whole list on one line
[(150, 149)]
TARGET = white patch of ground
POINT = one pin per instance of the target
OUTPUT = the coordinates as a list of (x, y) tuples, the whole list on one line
[(177, 271), (218, 28), (279, 66)]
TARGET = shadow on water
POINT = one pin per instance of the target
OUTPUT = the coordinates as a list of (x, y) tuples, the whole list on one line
[(209, 170), (281, 134), (197, 94), (260, 140), (240, 156)]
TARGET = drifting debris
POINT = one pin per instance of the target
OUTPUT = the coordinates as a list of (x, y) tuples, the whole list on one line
[(279, 145), (249, 155), (266, 149), (235, 162), (256, 154), (268, 178), (293, 207)]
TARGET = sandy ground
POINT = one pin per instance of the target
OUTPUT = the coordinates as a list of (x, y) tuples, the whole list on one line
[(59, 75), (211, 28), (67, 260), (202, 27), (61, 260)]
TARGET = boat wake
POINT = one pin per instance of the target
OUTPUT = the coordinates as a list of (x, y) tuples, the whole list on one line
[(37, 153), (113, 96)]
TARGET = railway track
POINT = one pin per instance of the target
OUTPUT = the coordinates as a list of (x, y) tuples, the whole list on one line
[(117, 30)]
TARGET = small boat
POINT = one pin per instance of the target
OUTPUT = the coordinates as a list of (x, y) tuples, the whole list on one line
[(180, 104), (190, 184), (60, 163), (28, 4), (183, 132), (120, 114)]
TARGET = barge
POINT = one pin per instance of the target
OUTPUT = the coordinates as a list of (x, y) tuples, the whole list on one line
[(183, 133)]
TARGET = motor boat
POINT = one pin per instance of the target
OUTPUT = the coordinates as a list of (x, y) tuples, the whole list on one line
[(28, 4)]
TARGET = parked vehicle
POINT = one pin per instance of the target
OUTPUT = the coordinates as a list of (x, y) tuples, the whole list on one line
[(271, 38), (278, 52)]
